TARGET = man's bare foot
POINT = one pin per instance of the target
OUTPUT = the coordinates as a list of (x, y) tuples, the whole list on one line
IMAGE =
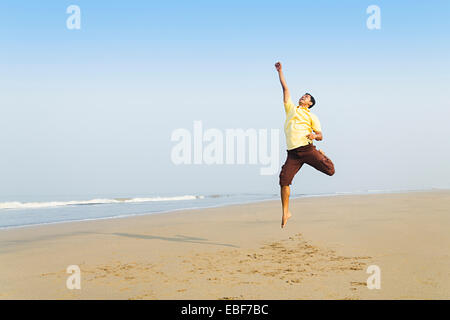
[(285, 218)]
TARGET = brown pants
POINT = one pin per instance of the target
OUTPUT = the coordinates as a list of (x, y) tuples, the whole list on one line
[(305, 154)]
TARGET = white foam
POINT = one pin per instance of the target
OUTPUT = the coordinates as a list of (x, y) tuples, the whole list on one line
[(35, 205)]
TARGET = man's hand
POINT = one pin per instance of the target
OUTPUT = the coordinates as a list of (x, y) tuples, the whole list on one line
[(286, 94), (278, 66), (315, 136), (311, 136)]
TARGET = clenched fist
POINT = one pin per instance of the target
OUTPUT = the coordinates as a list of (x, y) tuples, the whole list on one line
[(278, 66)]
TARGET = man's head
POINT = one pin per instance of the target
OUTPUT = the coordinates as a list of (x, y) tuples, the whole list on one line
[(307, 100)]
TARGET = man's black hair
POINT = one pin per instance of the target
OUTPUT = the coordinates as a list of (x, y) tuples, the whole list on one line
[(312, 100)]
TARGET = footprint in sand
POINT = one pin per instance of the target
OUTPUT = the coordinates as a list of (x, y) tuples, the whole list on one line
[(286, 260)]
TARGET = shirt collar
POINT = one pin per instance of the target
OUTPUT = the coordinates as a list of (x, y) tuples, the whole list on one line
[(304, 108)]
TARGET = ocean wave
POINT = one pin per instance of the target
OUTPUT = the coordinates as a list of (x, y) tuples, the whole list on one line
[(35, 205)]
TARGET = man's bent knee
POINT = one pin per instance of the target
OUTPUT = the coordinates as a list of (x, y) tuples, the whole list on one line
[(330, 171)]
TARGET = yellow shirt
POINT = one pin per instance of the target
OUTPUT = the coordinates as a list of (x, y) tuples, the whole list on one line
[(299, 122)]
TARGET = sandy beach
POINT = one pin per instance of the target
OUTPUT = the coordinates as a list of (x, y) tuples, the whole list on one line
[(240, 252)]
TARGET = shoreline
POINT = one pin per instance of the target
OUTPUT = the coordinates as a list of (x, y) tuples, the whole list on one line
[(240, 252), (293, 197)]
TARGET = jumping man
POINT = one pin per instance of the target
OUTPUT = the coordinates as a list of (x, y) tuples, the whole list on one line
[(301, 128)]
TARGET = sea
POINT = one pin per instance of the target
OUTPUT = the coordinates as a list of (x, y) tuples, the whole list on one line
[(26, 211)]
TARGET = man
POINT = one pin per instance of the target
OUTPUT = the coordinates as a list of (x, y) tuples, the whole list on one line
[(301, 128)]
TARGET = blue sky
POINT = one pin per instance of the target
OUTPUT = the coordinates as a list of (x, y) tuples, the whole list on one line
[(91, 111)]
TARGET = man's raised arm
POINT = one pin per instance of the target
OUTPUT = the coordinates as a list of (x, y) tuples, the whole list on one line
[(286, 93)]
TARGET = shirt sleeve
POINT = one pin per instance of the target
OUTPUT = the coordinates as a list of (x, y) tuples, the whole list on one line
[(315, 123), (288, 106)]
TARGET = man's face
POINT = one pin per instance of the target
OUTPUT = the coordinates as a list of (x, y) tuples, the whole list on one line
[(305, 100)]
